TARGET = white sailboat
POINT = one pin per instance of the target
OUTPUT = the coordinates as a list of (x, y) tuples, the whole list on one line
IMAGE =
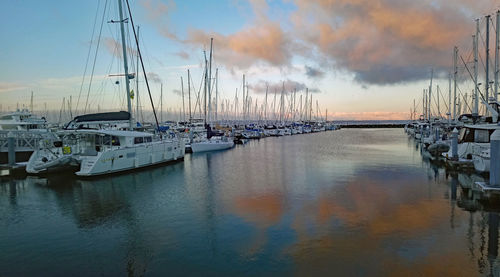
[(104, 151), (210, 143)]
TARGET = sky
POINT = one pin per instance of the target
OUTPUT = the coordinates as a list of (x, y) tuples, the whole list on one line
[(359, 59)]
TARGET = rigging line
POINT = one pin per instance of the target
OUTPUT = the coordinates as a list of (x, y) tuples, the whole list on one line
[(95, 57), (142, 65), (88, 55), (466, 67)]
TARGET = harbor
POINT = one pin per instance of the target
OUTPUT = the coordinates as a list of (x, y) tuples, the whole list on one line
[(256, 209), (250, 138)]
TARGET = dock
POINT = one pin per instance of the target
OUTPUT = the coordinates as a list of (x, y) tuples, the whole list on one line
[(18, 169)]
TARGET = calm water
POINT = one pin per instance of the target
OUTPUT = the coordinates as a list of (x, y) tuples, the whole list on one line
[(343, 203)]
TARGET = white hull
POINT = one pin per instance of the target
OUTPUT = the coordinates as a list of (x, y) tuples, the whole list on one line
[(128, 158), (211, 145)]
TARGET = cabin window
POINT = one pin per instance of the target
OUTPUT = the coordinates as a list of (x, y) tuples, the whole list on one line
[(466, 135), (148, 139), (482, 136), (138, 140)]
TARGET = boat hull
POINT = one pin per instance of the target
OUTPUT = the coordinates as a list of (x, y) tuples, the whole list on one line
[(206, 146)]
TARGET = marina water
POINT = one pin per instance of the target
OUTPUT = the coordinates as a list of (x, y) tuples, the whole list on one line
[(343, 203)]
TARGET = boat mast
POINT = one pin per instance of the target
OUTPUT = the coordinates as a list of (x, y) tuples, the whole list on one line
[(205, 88), (189, 96), (161, 102), (487, 61), (137, 82), (244, 102), (475, 111), (497, 58), (430, 96), (449, 98), (183, 106), (216, 91), (423, 105), (125, 65), (210, 82), (455, 69), (31, 102), (265, 104)]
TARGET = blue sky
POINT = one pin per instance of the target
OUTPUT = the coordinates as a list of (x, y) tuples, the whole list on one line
[(370, 61)]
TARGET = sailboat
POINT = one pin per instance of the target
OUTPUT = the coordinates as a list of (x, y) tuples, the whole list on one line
[(103, 151), (211, 142)]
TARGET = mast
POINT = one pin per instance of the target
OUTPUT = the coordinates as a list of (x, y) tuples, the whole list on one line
[(281, 103), (439, 109), (183, 106), (137, 82), (497, 57), (210, 82), (455, 69), (449, 98), (265, 104), (311, 107), (189, 96), (205, 88), (487, 60), (125, 64), (423, 105), (475, 111), (430, 96), (244, 103), (31, 102), (216, 91), (161, 102)]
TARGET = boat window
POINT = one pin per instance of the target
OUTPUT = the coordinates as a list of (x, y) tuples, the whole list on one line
[(138, 140), (466, 135), (482, 136), (6, 117), (106, 140), (115, 141), (148, 139)]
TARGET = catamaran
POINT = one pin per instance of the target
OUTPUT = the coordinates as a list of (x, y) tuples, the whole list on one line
[(97, 144)]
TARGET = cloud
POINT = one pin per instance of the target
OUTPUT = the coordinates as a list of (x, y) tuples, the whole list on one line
[(157, 13), (183, 54), (378, 41), (387, 41), (115, 48), (312, 72), (177, 92), (9, 86), (153, 77), (288, 85), (261, 42)]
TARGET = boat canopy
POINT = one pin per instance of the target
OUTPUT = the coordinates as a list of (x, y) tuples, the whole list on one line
[(109, 116)]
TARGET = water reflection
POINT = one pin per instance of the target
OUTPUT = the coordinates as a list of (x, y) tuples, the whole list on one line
[(353, 202)]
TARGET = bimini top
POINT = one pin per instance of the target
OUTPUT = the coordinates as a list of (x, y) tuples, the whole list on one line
[(117, 133), (110, 116)]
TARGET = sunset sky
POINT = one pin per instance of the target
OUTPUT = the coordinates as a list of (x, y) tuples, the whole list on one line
[(361, 59)]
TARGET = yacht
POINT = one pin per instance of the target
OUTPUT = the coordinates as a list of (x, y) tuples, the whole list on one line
[(98, 152), (28, 132)]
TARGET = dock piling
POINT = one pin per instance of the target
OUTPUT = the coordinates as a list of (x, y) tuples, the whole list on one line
[(11, 141), (454, 144), (495, 159)]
